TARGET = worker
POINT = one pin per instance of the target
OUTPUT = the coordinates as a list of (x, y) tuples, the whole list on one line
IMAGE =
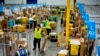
[(34, 20), (37, 37), (30, 22), (11, 22), (48, 26), (61, 17), (22, 51), (24, 13), (59, 10), (44, 21), (72, 17), (74, 3), (91, 48)]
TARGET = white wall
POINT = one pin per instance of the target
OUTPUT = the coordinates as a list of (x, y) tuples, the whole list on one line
[(63, 2), (53, 2), (14, 1), (89, 2), (48, 2)]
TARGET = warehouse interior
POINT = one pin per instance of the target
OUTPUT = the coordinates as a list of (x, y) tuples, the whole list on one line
[(74, 27)]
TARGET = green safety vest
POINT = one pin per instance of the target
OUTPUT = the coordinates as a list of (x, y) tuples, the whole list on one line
[(37, 33), (48, 25), (34, 17)]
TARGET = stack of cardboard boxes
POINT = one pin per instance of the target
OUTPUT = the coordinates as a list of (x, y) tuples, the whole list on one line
[(12, 43), (19, 28), (17, 42)]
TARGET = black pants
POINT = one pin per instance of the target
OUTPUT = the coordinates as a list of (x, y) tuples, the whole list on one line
[(91, 49), (37, 41), (30, 26), (48, 31), (35, 23), (61, 21)]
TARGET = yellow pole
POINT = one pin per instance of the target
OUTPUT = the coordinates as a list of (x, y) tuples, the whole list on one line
[(67, 21), (22, 1), (73, 4)]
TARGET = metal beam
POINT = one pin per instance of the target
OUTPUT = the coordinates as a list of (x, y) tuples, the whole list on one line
[(67, 20), (4, 44)]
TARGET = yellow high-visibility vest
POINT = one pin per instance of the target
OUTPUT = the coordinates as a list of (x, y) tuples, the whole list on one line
[(48, 25), (34, 17), (37, 33), (59, 9), (61, 16)]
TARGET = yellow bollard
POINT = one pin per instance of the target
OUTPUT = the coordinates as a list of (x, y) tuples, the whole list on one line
[(59, 43), (73, 5), (22, 1)]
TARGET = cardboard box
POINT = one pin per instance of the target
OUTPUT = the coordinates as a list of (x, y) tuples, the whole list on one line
[(22, 42), (15, 46), (3, 23), (44, 30), (19, 28), (1, 32), (53, 25), (63, 53), (13, 38), (98, 31), (64, 22), (24, 20), (25, 45), (44, 43)]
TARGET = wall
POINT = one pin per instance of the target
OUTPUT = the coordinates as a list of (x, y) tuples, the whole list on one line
[(1, 1), (53, 2), (49, 2), (89, 2), (14, 1), (31, 1), (63, 2)]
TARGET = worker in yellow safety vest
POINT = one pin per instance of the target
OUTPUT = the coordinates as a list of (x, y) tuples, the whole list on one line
[(48, 26), (59, 10), (37, 37), (61, 17), (34, 20)]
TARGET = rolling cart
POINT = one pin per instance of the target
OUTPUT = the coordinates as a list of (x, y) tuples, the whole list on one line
[(53, 37)]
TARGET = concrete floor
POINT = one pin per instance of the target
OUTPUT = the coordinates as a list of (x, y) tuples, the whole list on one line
[(1, 53), (51, 48)]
